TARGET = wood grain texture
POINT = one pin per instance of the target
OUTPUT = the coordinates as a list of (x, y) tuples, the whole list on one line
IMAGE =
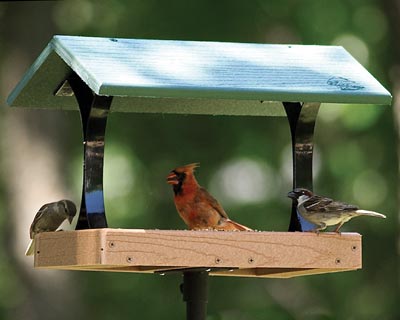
[(191, 77), (256, 254)]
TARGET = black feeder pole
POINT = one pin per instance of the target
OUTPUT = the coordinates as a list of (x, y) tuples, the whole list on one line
[(195, 293)]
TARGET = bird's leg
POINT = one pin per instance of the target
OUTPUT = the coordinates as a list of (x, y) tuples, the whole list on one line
[(338, 227)]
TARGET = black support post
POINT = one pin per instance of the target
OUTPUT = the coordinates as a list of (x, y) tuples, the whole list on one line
[(195, 293), (301, 117), (94, 111)]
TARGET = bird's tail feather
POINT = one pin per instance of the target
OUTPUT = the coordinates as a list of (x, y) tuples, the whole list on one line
[(238, 226), (370, 213), (30, 249)]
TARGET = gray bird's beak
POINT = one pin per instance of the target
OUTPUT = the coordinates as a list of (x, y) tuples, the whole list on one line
[(292, 195), (70, 218)]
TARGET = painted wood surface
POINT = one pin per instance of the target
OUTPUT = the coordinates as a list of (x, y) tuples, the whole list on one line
[(197, 77)]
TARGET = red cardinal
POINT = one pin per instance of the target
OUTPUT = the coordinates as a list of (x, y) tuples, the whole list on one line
[(197, 208)]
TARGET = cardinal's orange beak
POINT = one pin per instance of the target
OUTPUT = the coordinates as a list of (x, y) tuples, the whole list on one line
[(172, 178)]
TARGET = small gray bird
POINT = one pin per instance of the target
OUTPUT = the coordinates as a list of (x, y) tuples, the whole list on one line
[(52, 216), (324, 212)]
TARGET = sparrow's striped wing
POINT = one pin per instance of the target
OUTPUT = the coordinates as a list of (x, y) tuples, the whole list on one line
[(322, 204), (38, 216)]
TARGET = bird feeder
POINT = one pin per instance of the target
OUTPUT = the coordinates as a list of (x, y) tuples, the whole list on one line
[(96, 76)]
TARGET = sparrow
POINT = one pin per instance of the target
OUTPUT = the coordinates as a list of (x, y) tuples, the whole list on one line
[(197, 208), (52, 216), (324, 212)]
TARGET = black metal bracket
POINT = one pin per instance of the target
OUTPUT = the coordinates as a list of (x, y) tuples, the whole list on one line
[(94, 111), (301, 117), (195, 293)]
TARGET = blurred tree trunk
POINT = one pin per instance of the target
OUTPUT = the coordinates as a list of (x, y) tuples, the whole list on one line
[(33, 157)]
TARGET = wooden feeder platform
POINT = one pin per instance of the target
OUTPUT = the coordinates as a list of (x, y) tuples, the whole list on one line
[(245, 254)]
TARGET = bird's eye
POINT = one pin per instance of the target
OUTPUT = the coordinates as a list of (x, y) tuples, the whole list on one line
[(181, 175)]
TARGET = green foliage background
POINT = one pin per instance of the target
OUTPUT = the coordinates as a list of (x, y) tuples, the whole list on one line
[(356, 157)]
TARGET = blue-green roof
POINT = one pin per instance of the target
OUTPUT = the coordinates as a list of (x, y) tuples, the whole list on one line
[(197, 77)]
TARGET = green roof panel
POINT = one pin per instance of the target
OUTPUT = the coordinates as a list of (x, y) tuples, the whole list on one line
[(197, 77)]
